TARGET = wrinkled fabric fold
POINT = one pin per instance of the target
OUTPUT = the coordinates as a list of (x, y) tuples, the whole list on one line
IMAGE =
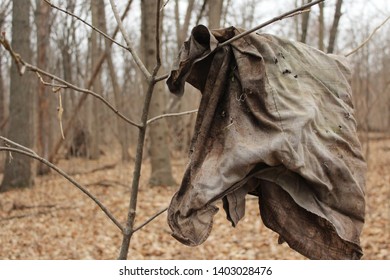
[(276, 120)]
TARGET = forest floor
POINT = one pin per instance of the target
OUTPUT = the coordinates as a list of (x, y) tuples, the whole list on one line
[(54, 220)]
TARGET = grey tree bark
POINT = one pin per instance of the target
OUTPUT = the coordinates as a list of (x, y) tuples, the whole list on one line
[(305, 24), (321, 27), (215, 13), (44, 133), (2, 99), (335, 25), (161, 170), (3, 114), (94, 107), (19, 170)]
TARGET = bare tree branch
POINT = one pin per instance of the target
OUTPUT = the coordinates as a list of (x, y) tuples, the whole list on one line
[(130, 48), (23, 65), (368, 38), (29, 153), (150, 219), (163, 6), (161, 78), (10, 142), (171, 115), (86, 23)]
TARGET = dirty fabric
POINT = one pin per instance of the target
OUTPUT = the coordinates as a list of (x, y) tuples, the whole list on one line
[(275, 121)]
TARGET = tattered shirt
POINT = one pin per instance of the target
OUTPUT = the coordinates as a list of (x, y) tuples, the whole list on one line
[(276, 121)]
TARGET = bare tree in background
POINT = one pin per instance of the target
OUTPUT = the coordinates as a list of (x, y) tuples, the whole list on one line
[(321, 27), (2, 99), (215, 13), (182, 30), (19, 170), (335, 25), (43, 25), (94, 107), (3, 11), (304, 24), (161, 172)]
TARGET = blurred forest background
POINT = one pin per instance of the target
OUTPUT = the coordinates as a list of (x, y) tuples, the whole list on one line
[(96, 139)]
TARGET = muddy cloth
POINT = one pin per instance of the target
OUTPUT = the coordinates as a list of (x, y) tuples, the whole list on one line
[(275, 121)]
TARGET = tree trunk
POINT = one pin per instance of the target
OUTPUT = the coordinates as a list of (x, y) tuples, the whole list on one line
[(19, 170), (305, 25), (215, 13), (3, 114), (335, 25), (2, 98), (321, 27), (161, 171), (95, 109), (44, 129)]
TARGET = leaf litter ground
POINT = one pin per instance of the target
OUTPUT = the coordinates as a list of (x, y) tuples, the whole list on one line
[(54, 220)]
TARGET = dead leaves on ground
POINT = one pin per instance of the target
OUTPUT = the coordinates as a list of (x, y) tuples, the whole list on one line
[(54, 220)]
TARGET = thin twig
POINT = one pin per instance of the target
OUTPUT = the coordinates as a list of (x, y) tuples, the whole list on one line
[(163, 6), (16, 57), (368, 38), (60, 111), (130, 48), (86, 23), (171, 115), (10, 142), (54, 86), (161, 78), (298, 13), (150, 219), (25, 151)]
